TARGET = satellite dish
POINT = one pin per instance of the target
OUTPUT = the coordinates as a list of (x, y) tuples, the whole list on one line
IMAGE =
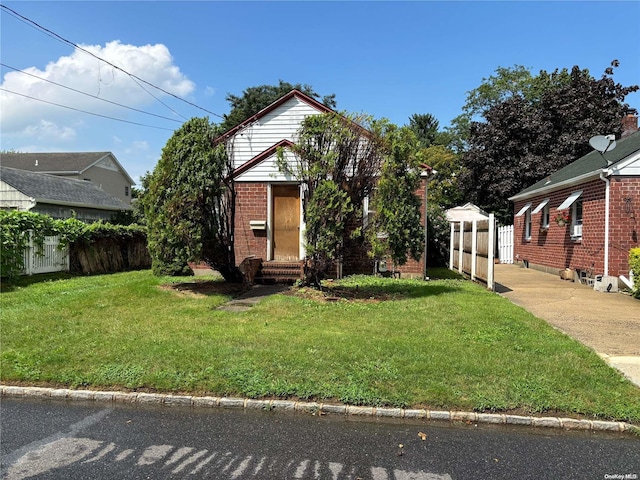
[(603, 143)]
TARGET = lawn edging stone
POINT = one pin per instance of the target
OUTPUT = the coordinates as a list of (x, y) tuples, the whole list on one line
[(13, 391)]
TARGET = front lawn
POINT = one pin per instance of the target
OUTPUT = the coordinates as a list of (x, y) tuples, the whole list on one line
[(443, 344)]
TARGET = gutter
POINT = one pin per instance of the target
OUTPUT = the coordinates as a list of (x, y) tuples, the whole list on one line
[(606, 180), (80, 205)]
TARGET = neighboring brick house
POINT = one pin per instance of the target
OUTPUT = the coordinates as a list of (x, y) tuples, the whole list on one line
[(99, 168), (56, 196), (599, 195), (269, 222)]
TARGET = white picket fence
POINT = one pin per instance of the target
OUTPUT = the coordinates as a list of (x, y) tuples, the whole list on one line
[(49, 259), (505, 243)]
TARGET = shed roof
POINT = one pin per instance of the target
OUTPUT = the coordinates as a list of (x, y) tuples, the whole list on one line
[(466, 212), (46, 188)]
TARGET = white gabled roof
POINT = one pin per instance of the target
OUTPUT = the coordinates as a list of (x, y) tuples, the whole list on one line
[(466, 213)]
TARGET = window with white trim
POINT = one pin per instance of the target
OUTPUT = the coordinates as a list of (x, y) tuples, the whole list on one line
[(576, 219), (367, 214), (527, 224)]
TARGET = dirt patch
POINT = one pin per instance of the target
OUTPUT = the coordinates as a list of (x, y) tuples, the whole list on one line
[(206, 288), (336, 293)]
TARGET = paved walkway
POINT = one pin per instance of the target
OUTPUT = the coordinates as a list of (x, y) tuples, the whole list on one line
[(609, 323), (250, 298)]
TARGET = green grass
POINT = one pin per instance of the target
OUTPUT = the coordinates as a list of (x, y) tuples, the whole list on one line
[(443, 344)]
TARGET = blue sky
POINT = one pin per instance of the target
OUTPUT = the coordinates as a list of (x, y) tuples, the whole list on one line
[(388, 59)]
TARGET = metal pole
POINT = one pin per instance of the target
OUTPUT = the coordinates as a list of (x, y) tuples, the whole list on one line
[(426, 187)]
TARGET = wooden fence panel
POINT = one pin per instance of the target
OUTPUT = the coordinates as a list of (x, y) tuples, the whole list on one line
[(472, 249)]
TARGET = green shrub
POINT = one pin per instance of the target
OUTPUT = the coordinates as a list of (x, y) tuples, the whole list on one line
[(15, 227), (634, 266)]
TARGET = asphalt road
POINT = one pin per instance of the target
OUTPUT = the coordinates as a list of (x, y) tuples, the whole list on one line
[(70, 440)]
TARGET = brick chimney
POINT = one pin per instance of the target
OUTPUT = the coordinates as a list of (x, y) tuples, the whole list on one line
[(630, 122)]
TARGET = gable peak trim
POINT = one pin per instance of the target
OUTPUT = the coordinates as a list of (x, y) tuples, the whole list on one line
[(293, 93), (249, 164)]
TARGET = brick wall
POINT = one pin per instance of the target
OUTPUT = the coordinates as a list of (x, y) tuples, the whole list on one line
[(415, 268), (251, 204), (556, 249), (624, 222)]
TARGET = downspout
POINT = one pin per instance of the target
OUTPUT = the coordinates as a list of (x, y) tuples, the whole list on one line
[(606, 180)]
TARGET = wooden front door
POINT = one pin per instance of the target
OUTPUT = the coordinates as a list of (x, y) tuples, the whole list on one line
[(286, 223)]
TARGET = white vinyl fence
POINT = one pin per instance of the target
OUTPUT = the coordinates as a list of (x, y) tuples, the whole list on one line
[(49, 259), (505, 243)]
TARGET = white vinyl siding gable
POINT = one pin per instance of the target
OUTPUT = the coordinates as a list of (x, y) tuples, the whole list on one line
[(280, 124), (10, 198)]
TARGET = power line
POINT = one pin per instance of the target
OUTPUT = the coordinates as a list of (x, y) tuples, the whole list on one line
[(84, 111), (69, 42), (87, 94)]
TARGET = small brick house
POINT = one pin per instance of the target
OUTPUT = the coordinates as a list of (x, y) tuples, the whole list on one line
[(585, 216), (269, 223)]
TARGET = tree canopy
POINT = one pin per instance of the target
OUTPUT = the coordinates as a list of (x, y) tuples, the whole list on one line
[(425, 127), (534, 130), (337, 159), (254, 99), (398, 231)]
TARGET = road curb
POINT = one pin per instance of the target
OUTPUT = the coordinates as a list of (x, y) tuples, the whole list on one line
[(315, 408)]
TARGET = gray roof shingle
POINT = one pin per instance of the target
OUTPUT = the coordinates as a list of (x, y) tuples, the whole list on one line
[(56, 163), (74, 162), (59, 190), (590, 164)]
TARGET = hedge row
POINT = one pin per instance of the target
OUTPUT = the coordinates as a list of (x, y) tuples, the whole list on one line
[(634, 266), (94, 248)]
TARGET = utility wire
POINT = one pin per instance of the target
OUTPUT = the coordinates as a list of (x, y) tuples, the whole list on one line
[(69, 42), (84, 111), (87, 94)]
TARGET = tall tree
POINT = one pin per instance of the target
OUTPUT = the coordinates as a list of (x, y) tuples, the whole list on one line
[(425, 127), (189, 203), (337, 159), (254, 99), (397, 207), (443, 188), (504, 84), (526, 137)]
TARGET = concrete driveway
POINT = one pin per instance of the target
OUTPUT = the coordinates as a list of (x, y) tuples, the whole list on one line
[(609, 323)]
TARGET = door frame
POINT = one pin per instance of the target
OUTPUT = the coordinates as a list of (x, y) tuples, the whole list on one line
[(270, 223)]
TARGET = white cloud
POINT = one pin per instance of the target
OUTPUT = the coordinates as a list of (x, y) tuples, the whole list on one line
[(45, 130), (24, 117), (209, 91), (138, 146)]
